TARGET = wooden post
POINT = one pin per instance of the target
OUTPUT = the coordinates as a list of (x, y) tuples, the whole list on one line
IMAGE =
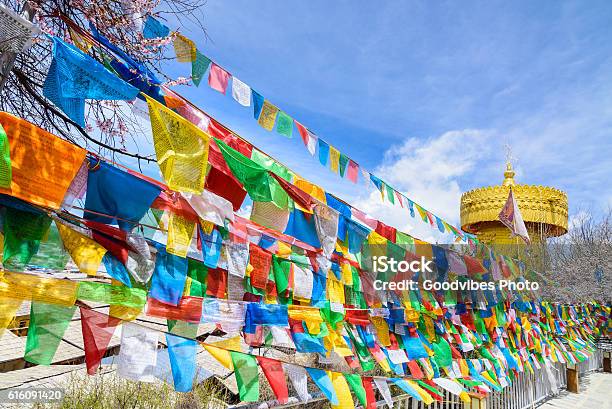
[(607, 356), (573, 385), (478, 401)]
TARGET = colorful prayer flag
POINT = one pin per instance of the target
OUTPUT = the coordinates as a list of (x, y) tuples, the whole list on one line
[(284, 124), (184, 48), (98, 329), (218, 78), (241, 92), (267, 117), (198, 67), (47, 326)]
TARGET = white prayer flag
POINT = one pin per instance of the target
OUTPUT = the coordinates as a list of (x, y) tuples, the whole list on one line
[(138, 353), (210, 207), (241, 92), (382, 386), (303, 279), (297, 376)]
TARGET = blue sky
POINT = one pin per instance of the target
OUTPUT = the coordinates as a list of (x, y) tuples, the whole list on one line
[(424, 94)]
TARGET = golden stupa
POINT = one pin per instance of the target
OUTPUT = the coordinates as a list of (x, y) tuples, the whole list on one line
[(544, 211)]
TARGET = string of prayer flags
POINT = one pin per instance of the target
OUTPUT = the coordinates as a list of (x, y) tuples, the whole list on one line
[(153, 28), (247, 376), (199, 66), (241, 92), (98, 329), (182, 352), (267, 117), (184, 48), (138, 353), (37, 176), (74, 76), (6, 170), (85, 252), (218, 78), (181, 149), (48, 323)]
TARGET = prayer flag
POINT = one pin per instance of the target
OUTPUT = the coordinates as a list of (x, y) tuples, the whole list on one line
[(353, 171), (241, 92), (284, 124), (323, 152), (258, 102), (247, 376), (218, 78), (184, 48), (182, 352), (221, 355), (23, 232), (343, 162), (86, 253), (97, 331), (511, 217), (47, 326), (198, 68), (334, 159), (273, 370), (75, 76), (31, 287), (309, 139), (299, 380), (38, 176), (138, 353), (382, 386), (356, 384), (169, 277), (342, 391), (111, 294), (323, 381), (8, 307), (267, 118), (181, 149), (153, 28)]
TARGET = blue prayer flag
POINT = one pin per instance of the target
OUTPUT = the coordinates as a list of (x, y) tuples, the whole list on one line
[(169, 277), (116, 269), (153, 28), (324, 383), (323, 152), (182, 352), (258, 102)]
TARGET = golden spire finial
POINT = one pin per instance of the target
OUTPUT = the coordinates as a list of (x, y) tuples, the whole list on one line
[(509, 173)]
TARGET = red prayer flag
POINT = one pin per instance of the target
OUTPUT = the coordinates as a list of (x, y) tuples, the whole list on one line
[(366, 381), (273, 370), (188, 309), (415, 370), (218, 78), (261, 261), (216, 283), (474, 266), (97, 331)]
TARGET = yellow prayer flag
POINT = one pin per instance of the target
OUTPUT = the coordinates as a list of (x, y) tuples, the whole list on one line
[(347, 274), (32, 287), (335, 290), (382, 330), (267, 118), (81, 42), (180, 233), (305, 313), (181, 149), (334, 159), (184, 48), (86, 253), (426, 397), (8, 307), (345, 400), (221, 355), (310, 188)]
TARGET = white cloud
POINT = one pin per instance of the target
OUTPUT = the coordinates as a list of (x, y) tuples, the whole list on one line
[(427, 172)]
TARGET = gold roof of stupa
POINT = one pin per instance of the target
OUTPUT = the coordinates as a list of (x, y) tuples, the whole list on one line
[(541, 206)]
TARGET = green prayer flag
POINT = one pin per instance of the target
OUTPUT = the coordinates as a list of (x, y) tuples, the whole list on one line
[(197, 271), (344, 160), (183, 328), (51, 252), (273, 166), (6, 171), (47, 326), (356, 385), (23, 231), (284, 124), (281, 269), (390, 194), (442, 353), (112, 294), (261, 186), (199, 67), (247, 376)]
